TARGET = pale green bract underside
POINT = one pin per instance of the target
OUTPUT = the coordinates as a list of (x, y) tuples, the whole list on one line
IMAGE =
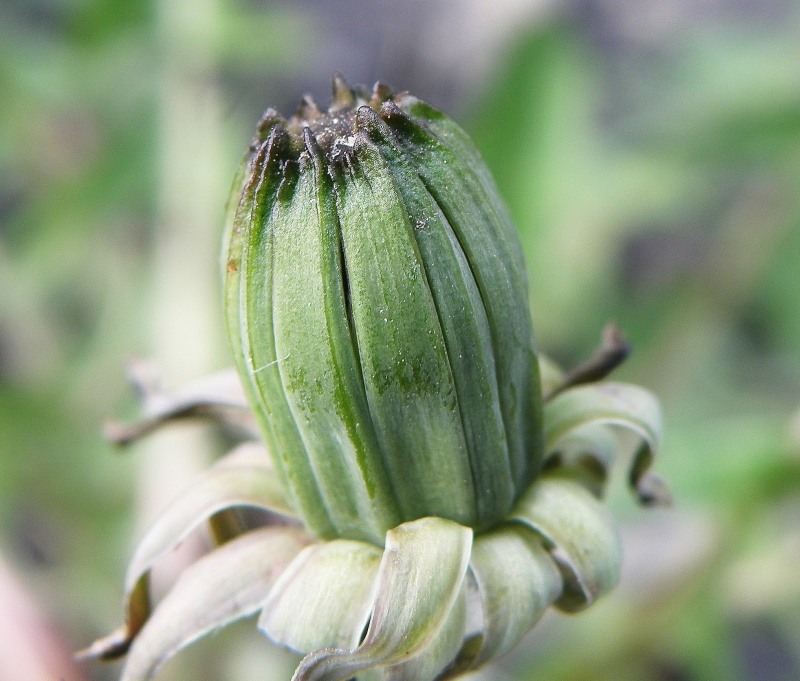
[(400, 611)]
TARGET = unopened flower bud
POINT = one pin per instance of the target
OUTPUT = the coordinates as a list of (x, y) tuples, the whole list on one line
[(377, 306)]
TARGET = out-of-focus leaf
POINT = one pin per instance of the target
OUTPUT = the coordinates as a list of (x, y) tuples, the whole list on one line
[(218, 396), (215, 490), (246, 454)]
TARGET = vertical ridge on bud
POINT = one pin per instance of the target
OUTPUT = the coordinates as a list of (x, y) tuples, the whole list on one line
[(409, 383), (249, 294), (467, 196), (463, 318), (321, 382)]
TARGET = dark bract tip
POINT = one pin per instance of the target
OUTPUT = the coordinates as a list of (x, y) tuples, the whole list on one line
[(390, 112), (312, 147), (380, 93), (366, 117), (308, 109), (343, 95), (269, 153), (266, 123)]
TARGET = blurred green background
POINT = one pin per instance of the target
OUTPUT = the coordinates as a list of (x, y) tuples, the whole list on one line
[(650, 153)]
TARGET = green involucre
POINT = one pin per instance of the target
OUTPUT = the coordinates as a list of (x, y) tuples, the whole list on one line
[(377, 308)]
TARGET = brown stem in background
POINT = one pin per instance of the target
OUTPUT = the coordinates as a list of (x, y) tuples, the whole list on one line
[(613, 350)]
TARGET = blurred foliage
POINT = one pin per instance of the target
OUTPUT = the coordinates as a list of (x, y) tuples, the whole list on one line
[(655, 184)]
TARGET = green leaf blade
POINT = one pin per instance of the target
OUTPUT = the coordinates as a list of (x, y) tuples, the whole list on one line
[(218, 488), (319, 368), (407, 376), (452, 170), (465, 327)]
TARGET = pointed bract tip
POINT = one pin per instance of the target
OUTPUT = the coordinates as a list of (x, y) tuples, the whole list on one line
[(274, 146), (266, 123), (367, 118), (389, 110), (312, 147), (343, 95), (381, 92), (308, 109), (308, 140)]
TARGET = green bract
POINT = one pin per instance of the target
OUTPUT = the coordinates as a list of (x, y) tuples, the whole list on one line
[(377, 306), (424, 495)]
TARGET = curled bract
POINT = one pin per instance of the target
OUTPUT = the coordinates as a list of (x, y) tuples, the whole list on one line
[(397, 611)]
